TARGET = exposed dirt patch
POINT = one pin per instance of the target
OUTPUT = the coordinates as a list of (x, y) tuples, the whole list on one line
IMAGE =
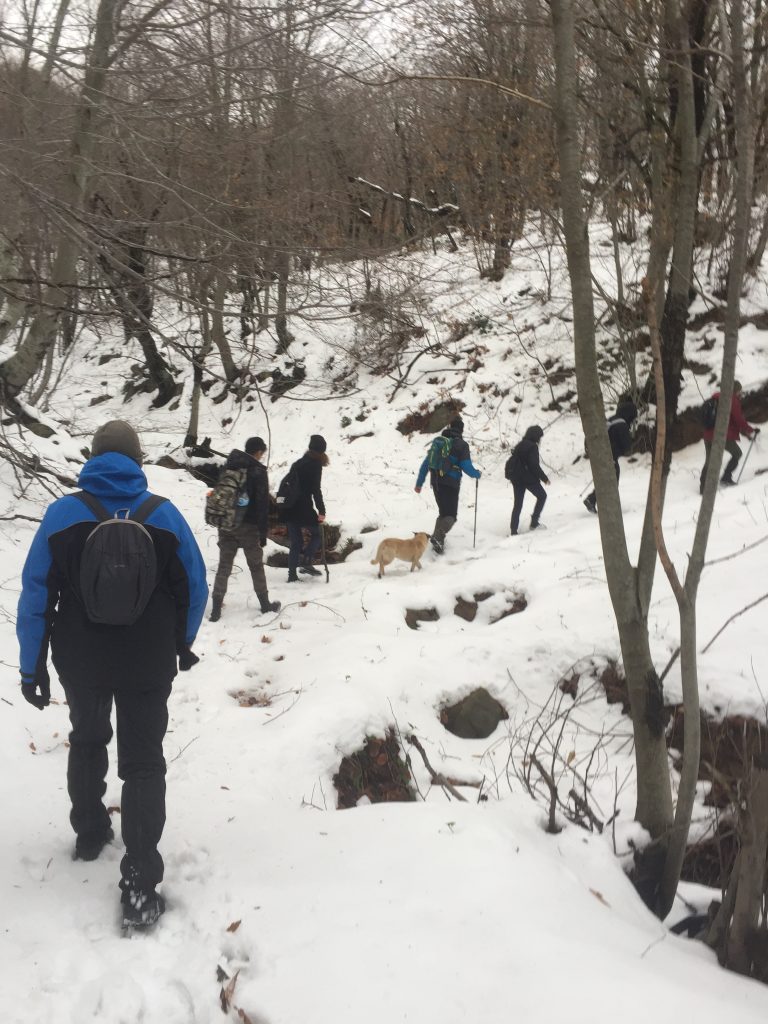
[(430, 421), (413, 616), (376, 771), (710, 861), (615, 685), (248, 699), (727, 750), (334, 553)]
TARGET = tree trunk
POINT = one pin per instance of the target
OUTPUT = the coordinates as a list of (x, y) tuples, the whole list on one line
[(16, 372), (284, 336), (654, 799), (218, 333)]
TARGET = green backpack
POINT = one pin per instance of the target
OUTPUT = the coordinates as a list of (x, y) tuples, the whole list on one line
[(438, 457), (225, 505)]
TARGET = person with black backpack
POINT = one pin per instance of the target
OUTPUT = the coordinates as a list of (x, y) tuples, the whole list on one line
[(620, 437), (446, 459), (524, 472), (115, 582), (304, 507), (737, 425), (244, 486)]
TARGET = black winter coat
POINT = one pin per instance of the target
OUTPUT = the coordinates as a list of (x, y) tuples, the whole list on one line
[(257, 486), (523, 467), (310, 470), (620, 437)]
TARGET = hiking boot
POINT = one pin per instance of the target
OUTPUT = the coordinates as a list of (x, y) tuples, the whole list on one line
[(216, 609), (141, 909), (292, 577), (437, 545), (266, 605), (728, 481), (535, 524), (513, 533), (89, 845), (590, 504), (310, 570)]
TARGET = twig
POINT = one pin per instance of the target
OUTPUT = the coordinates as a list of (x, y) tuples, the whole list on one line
[(729, 621), (735, 554), (669, 665), (552, 827), (437, 778), (186, 745)]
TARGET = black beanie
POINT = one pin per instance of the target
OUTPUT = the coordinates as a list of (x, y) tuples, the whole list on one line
[(254, 444), (457, 423), (317, 443), (117, 436)]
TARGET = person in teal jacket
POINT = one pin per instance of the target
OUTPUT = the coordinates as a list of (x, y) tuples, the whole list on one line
[(446, 485)]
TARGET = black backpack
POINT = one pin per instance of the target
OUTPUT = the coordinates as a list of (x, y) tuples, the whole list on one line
[(709, 413), (118, 567), (289, 491)]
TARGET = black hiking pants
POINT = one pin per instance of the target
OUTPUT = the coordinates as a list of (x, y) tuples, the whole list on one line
[(447, 498), (142, 719), (733, 448), (593, 496), (539, 493)]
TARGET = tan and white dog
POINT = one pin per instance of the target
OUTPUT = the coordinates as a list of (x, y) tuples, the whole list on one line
[(408, 550)]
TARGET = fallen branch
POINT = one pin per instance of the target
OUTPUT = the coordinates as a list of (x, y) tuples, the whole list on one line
[(437, 778), (552, 827)]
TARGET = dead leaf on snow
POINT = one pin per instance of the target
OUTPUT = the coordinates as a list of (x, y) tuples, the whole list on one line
[(227, 991), (234, 926), (599, 896)]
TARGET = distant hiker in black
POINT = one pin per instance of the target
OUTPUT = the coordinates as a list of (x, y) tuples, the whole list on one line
[(308, 511), (103, 656), (620, 437), (250, 533), (446, 484), (525, 473)]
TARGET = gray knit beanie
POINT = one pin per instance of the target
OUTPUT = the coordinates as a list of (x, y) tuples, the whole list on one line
[(117, 436)]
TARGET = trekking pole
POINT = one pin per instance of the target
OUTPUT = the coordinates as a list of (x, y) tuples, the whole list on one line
[(752, 441), (474, 535), (322, 548), (590, 484)]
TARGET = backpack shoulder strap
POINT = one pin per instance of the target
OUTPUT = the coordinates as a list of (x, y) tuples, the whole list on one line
[(146, 508), (91, 502)]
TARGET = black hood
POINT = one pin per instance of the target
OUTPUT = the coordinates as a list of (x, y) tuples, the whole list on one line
[(239, 460), (627, 411), (534, 434)]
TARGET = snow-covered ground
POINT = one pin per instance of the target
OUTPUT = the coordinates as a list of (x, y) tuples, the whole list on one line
[(434, 911)]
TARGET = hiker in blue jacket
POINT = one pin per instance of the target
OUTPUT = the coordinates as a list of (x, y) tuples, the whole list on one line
[(98, 663), (446, 480)]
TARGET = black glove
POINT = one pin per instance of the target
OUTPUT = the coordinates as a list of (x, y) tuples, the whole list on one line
[(547, 481), (37, 690), (187, 659), (755, 431)]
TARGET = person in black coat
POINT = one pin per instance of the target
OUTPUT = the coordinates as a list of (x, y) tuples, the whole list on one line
[(620, 437), (308, 511), (525, 474), (250, 533)]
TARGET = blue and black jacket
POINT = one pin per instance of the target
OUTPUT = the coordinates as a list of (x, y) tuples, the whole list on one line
[(459, 459), (50, 609)]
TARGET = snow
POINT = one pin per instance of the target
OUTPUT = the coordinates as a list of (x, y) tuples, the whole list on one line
[(435, 911)]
